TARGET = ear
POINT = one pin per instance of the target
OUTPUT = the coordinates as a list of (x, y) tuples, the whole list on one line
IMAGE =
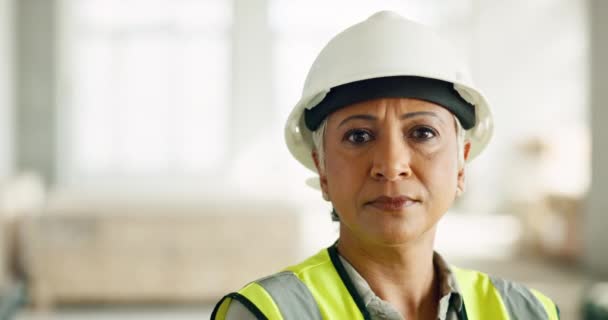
[(322, 176), (461, 171)]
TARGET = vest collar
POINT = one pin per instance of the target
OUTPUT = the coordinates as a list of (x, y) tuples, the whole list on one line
[(348, 282)]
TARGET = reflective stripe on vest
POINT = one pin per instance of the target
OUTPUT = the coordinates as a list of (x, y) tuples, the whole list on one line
[(317, 289), (494, 298), (519, 299), (291, 296)]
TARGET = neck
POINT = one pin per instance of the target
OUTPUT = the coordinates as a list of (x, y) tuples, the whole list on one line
[(400, 274)]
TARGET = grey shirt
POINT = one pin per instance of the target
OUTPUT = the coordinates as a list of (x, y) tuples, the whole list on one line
[(449, 303)]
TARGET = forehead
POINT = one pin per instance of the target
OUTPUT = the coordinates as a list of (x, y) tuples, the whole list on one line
[(381, 106)]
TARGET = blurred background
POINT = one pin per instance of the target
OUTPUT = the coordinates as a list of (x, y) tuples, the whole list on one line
[(143, 172)]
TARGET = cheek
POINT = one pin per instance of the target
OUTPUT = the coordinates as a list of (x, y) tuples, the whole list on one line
[(345, 175), (440, 175)]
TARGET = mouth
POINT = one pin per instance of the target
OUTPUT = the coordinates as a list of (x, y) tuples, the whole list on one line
[(399, 203)]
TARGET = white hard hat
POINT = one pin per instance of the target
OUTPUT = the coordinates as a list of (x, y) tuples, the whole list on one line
[(384, 45)]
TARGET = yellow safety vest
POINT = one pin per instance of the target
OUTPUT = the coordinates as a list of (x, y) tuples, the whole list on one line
[(319, 288)]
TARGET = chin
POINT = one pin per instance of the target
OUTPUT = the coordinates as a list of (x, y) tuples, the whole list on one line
[(396, 236)]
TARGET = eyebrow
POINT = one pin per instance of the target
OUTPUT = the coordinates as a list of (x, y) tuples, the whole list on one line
[(402, 117)]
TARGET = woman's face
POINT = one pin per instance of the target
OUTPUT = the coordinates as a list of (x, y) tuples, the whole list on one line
[(391, 168)]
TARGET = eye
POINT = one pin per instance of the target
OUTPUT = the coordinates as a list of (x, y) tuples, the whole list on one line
[(358, 136), (423, 133)]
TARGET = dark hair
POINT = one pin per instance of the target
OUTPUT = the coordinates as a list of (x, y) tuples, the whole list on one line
[(334, 215)]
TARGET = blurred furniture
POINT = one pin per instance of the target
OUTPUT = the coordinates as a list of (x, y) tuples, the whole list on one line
[(11, 298), (3, 253), (556, 227), (153, 252), (20, 194), (552, 226), (595, 304)]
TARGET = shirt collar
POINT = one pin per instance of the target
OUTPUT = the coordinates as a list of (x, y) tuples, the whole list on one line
[(448, 284), (447, 281)]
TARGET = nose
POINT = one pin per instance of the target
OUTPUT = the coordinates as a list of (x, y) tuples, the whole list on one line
[(392, 159)]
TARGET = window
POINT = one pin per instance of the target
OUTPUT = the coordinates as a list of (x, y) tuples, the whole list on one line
[(149, 87)]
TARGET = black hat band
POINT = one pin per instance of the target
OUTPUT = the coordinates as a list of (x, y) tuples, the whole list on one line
[(431, 90)]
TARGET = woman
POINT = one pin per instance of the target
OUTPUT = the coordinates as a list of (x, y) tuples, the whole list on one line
[(388, 118)]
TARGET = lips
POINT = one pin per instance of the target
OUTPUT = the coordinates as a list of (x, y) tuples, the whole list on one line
[(385, 203)]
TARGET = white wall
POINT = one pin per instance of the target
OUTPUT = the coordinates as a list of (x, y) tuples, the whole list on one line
[(6, 112), (596, 219), (530, 58), (6, 88), (35, 81)]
